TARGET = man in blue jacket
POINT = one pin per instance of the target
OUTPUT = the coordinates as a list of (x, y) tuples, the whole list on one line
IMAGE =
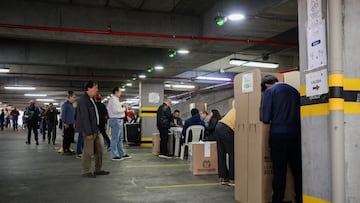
[(194, 120), (88, 121), (281, 109)]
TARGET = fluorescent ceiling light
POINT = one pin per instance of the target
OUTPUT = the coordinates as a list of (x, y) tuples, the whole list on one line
[(261, 64), (237, 62), (45, 100), (183, 86), (129, 84), (236, 16), (142, 76), (167, 85), (4, 70), (159, 67), (35, 95), (19, 88), (212, 78), (183, 51), (55, 104), (122, 89)]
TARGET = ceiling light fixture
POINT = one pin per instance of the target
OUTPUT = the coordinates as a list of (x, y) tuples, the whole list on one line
[(171, 53), (220, 20), (149, 69), (122, 89), (19, 88), (258, 64), (4, 70), (133, 78), (45, 100), (129, 84), (159, 67), (142, 76), (183, 51), (236, 17), (213, 78), (35, 95), (183, 86)]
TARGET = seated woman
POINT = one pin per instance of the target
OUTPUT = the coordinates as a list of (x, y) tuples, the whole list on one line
[(210, 129)]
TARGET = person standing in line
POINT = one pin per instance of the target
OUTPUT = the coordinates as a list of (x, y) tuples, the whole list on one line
[(116, 112), (32, 121), (51, 122), (7, 118), (88, 121), (15, 116), (281, 109), (68, 118), (224, 132), (43, 121), (2, 119), (163, 120), (103, 116)]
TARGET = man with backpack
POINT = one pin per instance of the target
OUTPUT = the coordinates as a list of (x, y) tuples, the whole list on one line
[(32, 120)]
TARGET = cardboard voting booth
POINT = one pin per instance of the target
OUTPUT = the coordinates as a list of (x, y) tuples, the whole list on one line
[(203, 158), (253, 166)]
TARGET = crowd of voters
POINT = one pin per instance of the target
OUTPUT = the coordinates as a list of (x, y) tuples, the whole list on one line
[(90, 118)]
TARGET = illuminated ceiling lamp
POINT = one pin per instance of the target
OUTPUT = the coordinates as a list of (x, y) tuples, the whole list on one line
[(4, 70), (171, 53), (257, 64), (149, 69), (236, 17), (237, 62), (213, 78), (220, 20)]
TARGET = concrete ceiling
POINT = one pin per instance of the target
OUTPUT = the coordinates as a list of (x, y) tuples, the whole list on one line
[(57, 45)]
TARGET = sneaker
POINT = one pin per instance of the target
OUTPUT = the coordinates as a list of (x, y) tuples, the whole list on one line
[(79, 156), (27, 142), (224, 181), (88, 175), (116, 159), (61, 150), (109, 149), (231, 183), (126, 156), (101, 172), (71, 150), (37, 143), (164, 156)]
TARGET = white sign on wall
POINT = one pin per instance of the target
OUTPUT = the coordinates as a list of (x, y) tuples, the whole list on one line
[(316, 46), (314, 11), (316, 83), (154, 97), (247, 82)]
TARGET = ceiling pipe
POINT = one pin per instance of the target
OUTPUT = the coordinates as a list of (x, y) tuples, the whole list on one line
[(150, 35)]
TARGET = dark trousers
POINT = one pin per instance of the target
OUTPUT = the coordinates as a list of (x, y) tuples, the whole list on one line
[(102, 130), (15, 124), (225, 145), (33, 127), (2, 124), (164, 136), (51, 130), (68, 137), (284, 152)]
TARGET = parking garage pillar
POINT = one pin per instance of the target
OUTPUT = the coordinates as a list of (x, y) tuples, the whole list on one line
[(151, 97)]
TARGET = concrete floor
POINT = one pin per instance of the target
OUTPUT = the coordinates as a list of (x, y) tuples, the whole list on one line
[(36, 174)]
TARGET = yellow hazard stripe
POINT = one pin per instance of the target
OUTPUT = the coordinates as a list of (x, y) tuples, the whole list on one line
[(352, 108), (147, 108), (146, 145), (352, 84), (336, 80), (314, 110), (309, 199), (147, 114), (336, 104)]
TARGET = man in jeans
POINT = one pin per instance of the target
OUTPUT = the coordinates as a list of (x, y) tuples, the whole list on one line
[(116, 112), (164, 117), (68, 118), (281, 109), (87, 124)]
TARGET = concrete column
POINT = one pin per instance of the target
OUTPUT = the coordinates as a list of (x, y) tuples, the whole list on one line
[(151, 97)]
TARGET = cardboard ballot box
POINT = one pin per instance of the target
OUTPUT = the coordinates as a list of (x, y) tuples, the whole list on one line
[(203, 158), (253, 166), (156, 144)]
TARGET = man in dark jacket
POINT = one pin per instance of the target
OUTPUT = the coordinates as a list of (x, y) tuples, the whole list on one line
[(15, 116), (88, 121), (194, 120), (32, 118), (103, 116), (51, 122), (164, 117), (281, 109), (68, 119)]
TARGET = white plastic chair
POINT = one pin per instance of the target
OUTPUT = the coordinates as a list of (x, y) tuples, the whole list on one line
[(197, 132)]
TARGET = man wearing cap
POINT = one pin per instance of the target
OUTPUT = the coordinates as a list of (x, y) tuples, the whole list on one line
[(32, 118), (87, 124), (281, 109)]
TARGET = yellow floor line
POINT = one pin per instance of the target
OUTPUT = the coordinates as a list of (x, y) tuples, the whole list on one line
[(181, 186), (157, 165)]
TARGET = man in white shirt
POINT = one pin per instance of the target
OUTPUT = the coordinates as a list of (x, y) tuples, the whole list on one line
[(116, 112)]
